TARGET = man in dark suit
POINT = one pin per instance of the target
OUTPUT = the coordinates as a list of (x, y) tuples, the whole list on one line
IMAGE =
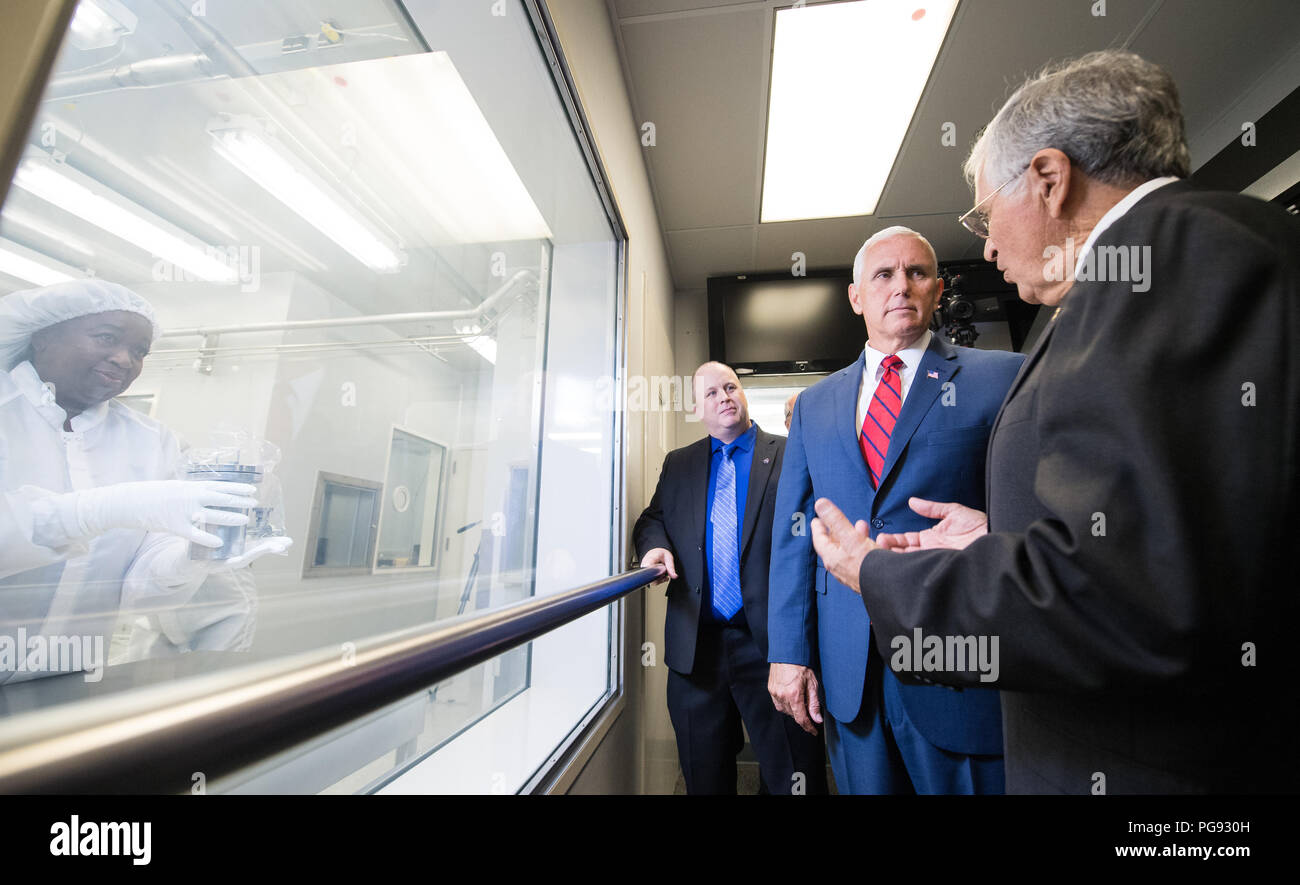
[(1142, 475), (910, 418), (710, 525)]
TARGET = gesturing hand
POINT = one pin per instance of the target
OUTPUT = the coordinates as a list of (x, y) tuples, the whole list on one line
[(841, 545), (958, 526)]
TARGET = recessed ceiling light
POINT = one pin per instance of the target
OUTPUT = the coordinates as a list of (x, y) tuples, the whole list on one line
[(846, 80)]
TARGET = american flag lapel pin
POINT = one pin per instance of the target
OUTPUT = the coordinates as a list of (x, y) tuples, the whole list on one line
[(767, 460), (933, 373)]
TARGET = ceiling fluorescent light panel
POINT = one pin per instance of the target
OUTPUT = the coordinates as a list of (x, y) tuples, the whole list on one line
[(483, 200), (36, 268), (265, 160), (846, 80), (84, 197)]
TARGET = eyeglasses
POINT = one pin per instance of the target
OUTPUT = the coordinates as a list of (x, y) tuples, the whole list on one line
[(977, 222)]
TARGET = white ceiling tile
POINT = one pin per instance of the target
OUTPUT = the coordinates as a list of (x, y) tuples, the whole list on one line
[(825, 242), (699, 72), (700, 82), (1233, 45), (833, 242), (993, 46), (631, 8), (699, 254)]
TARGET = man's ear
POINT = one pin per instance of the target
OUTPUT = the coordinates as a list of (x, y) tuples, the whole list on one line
[(1050, 176), (855, 301)]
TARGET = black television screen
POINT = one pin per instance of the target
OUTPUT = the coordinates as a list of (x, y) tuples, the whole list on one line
[(777, 323)]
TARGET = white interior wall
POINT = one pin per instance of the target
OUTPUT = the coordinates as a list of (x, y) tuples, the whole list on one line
[(587, 38), (691, 343)]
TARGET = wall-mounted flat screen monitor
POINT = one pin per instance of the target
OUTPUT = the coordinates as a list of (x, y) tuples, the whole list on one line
[(776, 324)]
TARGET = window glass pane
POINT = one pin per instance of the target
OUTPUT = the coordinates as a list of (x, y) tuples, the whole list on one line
[(378, 262)]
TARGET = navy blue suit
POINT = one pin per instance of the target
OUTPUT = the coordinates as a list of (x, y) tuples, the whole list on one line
[(936, 451)]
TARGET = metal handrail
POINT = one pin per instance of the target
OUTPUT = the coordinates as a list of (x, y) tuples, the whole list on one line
[(155, 739)]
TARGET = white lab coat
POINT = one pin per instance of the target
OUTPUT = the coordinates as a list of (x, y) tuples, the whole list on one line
[(50, 586)]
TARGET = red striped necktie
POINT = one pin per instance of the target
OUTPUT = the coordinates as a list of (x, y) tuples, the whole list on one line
[(882, 415)]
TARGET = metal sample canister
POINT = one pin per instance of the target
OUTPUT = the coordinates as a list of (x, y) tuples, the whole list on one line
[(232, 536)]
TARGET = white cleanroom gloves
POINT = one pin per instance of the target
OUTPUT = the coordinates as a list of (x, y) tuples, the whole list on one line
[(172, 506)]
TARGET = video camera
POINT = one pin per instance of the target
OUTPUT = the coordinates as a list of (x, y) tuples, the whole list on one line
[(955, 312)]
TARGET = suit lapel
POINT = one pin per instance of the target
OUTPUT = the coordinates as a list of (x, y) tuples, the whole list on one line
[(760, 469), (937, 366), (697, 484), (845, 403), (1034, 358)]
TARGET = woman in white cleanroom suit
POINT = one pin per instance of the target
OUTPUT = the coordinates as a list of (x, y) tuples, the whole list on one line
[(91, 499)]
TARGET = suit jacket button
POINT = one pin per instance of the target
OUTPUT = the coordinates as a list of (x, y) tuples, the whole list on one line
[(877, 523)]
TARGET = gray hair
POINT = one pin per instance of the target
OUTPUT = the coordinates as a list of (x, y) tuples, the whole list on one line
[(860, 260), (1113, 113)]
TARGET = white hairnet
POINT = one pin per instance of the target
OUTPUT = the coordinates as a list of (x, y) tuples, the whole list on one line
[(22, 314)]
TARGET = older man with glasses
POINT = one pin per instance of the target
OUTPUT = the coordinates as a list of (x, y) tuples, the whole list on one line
[(1143, 481)]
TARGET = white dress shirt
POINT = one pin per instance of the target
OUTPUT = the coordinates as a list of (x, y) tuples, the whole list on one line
[(872, 370)]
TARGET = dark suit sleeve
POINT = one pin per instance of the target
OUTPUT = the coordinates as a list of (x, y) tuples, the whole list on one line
[(791, 608), (650, 531), (1165, 494)]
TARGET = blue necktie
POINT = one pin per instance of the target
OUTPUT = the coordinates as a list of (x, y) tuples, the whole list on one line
[(726, 547)]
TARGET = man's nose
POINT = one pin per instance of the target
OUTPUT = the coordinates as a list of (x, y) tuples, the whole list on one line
[(122, 357), (990, 251)]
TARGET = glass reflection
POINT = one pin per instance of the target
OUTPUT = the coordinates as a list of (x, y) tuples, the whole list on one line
[(368, 261)]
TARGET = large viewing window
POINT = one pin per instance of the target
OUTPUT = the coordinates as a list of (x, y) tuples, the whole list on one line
[(386, 285)]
